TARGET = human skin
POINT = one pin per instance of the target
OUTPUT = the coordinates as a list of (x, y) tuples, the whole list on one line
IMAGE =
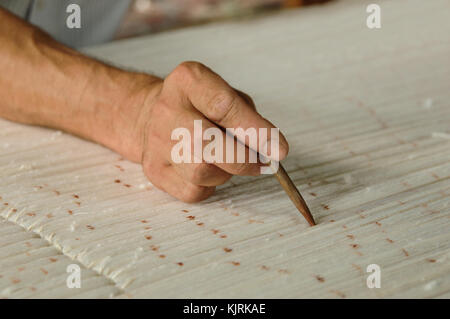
[(44, 83)]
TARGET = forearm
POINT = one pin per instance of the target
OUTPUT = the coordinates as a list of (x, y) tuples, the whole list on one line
[(45, 83)]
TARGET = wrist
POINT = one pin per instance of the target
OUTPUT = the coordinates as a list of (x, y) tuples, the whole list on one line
[(131, 110), (110, 107)]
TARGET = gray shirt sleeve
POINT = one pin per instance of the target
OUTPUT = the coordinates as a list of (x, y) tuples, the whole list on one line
[(99, 19), (18, 7)]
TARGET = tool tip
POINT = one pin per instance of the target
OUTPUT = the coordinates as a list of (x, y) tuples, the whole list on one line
[(310, 219)]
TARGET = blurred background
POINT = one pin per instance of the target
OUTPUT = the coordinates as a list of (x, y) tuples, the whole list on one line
[(150, 16)]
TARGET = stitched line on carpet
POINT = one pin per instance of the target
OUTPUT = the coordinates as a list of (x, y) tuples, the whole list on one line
[(52, 244)]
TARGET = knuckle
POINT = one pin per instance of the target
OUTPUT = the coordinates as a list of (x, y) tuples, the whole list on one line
[(193, 194), (222, 105), (191, 64), (188, 70), (200, 173), (180, 74), (247, 99)]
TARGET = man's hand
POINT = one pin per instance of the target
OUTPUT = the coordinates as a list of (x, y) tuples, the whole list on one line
[(45, 83), (194, 92)]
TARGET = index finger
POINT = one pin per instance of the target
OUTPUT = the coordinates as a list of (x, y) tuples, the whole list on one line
[(220, 103)]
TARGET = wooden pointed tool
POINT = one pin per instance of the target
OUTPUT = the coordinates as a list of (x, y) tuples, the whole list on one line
[(294, 194)]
